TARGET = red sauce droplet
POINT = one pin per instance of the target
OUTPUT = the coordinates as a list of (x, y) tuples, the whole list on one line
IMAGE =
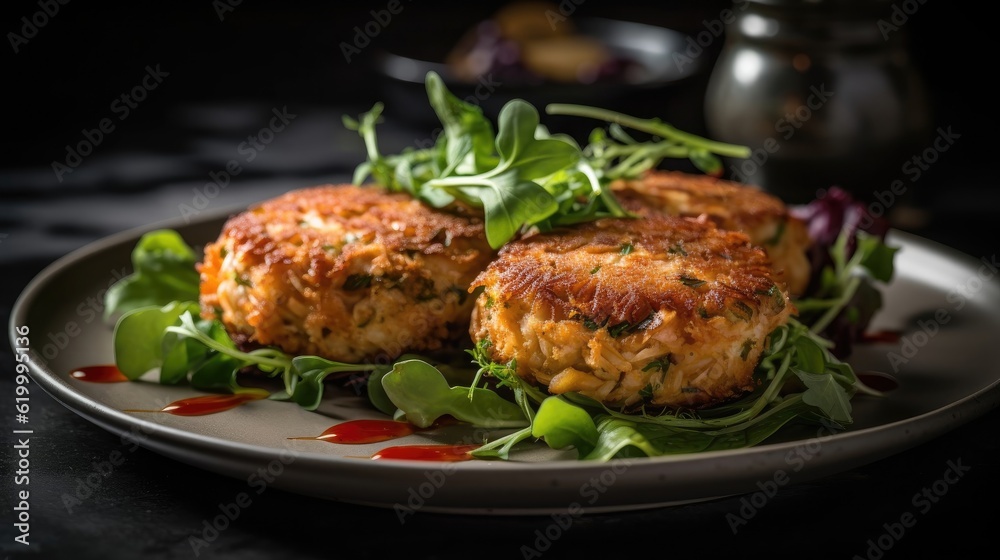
[(208, 404), (99, 374), (374, 431), (879, 381), (889, 337), (442, 453), (366, 431)]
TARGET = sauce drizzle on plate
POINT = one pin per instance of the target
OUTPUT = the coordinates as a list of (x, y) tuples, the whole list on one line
[(99, 374), (439, 453), (208, 404), (364, 431)]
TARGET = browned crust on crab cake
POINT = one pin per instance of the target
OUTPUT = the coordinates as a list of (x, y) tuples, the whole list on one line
[(660, 310), (762, 216), (345, 272)]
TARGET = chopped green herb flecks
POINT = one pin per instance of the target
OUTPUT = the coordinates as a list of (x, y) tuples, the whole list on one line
[(691, 281), (774, 293), (741, 311), (779, 232), (661, 365), (626, 248), (647, 391), (617, 330), (357, 281)]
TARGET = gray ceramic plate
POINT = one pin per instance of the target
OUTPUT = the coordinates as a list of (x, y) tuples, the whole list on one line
[(948, 366)]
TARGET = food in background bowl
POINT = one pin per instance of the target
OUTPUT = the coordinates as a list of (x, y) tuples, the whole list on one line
[(533, 43)]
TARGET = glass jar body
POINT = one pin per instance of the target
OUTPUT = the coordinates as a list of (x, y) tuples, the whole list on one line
[(823, 94)]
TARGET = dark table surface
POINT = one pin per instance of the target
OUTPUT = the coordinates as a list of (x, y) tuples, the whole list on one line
[(225, 79)]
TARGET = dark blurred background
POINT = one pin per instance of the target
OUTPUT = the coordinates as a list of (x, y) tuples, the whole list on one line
[(228, 65)]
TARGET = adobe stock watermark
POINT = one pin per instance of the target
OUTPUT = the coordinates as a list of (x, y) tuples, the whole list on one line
[(590, 494), (796, 459), (248, 149), (228, 512), (913, 169), (121, 106), (787, 126), (927, 329), (418, 496), (922, 502), (364, 34), (714, 28), (31, 25), (901, 12), (566, 8), (224, 7)]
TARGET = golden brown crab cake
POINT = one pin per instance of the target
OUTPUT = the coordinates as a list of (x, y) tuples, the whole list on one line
[(731, 205), (661, 310), (344, 272)]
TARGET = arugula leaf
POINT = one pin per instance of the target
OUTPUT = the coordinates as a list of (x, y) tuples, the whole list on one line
[(182, 355), (562, 425), (524, 177), (509, 196), (468, 133), (877, 257), (139, 334), (311, 371), (500, 448), (164, 271), (219, 372), (622, 438), (421, 392), (809, 356), (614, 435), (376, 392), (826, 394), (510, 203), (621, 156)]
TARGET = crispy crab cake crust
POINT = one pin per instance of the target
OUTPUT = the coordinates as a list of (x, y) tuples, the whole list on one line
[(344, 272), (662, 310), (730, 205)]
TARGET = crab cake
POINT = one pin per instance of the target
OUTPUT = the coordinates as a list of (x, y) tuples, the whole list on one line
[(344, 272), (731, 205), (662, 310)]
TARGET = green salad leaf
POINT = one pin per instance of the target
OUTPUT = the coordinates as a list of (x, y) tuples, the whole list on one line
[(139, 336), (163, 271), (523, 177), (423, 394), (563, 424)]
